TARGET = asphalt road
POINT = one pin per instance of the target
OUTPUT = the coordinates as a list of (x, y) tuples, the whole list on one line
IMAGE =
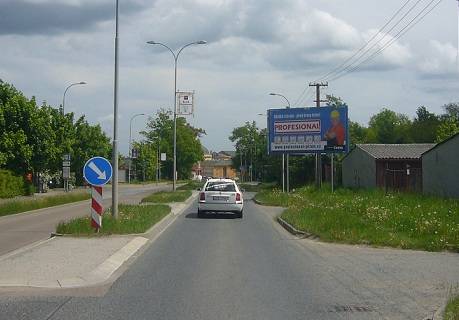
[(223, 268), (17, 231)]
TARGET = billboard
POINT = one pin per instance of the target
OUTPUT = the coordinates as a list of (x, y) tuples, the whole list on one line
[(308, 130)]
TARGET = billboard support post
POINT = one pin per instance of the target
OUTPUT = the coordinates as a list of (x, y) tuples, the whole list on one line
[(333, 172), (283, 172), (319, 154)]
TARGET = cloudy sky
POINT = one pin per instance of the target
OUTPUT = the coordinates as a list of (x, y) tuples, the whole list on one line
[(254, 47)]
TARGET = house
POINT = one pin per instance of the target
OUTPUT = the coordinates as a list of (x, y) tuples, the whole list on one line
[(440, 169), (207, 154), (215, 164), (389, 166), (218, 169)]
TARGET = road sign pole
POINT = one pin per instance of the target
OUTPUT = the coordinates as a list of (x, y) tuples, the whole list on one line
[(115, 124)]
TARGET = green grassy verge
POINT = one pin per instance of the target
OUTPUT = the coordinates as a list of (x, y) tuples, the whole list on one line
[(168, 196), (191, 185), (17, 206), (248, 187), (452, 310), (409, 221), (132, 219)]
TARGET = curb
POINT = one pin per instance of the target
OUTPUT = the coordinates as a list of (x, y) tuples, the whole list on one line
[(287, 226), (257, 202)]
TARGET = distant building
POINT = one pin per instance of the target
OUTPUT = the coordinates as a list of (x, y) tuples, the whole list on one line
[(218, 169), (207, 154), (215, 164), (440, 169), (389, 166)]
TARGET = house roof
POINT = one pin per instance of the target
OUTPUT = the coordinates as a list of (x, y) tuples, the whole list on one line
[(216, 163), (232, 154), (396, 151), (440, 143)]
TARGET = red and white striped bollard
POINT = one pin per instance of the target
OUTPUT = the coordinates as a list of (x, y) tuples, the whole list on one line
[(96, 207)]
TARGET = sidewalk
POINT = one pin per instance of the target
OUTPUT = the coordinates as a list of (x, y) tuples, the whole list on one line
[(67, 262)]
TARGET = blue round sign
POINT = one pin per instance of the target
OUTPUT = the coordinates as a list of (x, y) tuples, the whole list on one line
[(97, 171)]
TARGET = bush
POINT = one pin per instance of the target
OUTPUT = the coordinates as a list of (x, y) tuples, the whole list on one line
[(11, 185)]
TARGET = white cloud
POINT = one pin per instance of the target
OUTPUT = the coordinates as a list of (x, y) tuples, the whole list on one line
[(441, 60)]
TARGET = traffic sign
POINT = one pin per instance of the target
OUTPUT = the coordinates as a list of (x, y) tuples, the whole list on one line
[(97, 171)]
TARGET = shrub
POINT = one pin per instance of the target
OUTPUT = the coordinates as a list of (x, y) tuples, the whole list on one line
[(11, 185)]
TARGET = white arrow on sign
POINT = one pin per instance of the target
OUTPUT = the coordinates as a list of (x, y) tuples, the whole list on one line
[(101, 175)]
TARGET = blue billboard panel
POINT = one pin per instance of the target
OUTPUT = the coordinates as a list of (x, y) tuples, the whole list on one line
[(308, 130)]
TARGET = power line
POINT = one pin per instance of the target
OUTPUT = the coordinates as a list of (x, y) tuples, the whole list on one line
[(380, 40), (368, 42), (418, 18)]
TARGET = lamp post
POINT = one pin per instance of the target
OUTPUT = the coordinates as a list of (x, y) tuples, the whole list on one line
[(283, 155), (130, 144), (66, 183), (65, 92), (176, 56)]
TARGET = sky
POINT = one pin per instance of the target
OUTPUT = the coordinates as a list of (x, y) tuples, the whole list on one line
[(254, 47)]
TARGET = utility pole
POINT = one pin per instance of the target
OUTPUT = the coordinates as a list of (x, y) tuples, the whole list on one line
[(318, 85)]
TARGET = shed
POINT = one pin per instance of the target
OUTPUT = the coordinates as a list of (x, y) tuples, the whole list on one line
[(440, 169), (389, 166)]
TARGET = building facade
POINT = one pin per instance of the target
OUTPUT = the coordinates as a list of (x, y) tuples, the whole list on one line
[(388, 166), (440, 169)]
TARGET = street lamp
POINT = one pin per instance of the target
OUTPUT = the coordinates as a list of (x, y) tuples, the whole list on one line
[(283, 155), (66, 183), (65, 92), (130, 143), (176, 56)]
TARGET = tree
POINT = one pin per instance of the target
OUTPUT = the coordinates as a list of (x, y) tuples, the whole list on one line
[(189, 148), (146, 161), (389, 127), (357, 133), (447, 129), (424, 127), (449, 125), (89, 141)]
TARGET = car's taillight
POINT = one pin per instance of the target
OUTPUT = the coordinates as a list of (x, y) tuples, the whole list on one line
[(202, 196), (238, 196)]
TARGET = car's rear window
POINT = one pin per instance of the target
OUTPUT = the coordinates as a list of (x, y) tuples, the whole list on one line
[(221, 186)]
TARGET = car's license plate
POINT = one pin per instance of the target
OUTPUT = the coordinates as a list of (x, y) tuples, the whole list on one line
[(220, 198)]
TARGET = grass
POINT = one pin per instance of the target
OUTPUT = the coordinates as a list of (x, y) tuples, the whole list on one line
[(249, 187), (132, 219), (409, 221), (168, 196), (17, 206), (452, 309), (191, 185)]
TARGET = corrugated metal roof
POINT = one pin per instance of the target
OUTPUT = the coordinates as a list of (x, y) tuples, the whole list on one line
[(396, 151)]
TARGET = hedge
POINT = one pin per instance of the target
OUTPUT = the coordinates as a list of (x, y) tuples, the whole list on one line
[(11, 185)]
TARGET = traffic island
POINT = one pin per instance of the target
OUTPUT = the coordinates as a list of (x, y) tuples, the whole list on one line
[(133, 219)]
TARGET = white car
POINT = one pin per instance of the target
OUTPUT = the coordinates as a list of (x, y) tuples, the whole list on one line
[(220, 195)]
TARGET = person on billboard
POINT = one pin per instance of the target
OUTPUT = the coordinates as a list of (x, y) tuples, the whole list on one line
[(336, 135)]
